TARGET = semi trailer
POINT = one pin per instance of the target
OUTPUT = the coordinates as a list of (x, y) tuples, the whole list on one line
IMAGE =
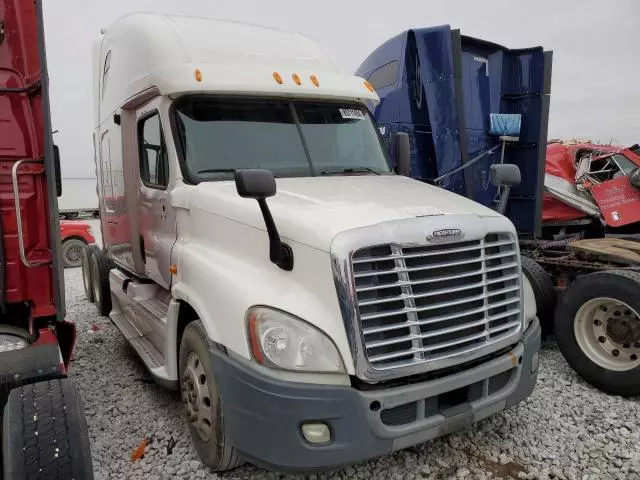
[(313, 306), (449, 92), (79, 198), (44, 433)]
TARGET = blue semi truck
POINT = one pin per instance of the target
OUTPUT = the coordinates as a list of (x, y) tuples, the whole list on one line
[(440, 87), (453, 95)]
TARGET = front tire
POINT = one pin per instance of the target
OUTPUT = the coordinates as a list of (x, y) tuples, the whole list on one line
[(201, 397), (44, 433), (597, 325)]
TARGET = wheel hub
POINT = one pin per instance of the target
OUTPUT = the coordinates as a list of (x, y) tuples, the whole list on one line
[(608, 332), (623, 329), (74, 254), (196, 396)]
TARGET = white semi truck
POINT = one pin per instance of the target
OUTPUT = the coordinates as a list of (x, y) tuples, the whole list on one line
[(314, 307)]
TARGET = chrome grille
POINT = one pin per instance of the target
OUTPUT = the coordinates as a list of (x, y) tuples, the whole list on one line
[(427, 303)]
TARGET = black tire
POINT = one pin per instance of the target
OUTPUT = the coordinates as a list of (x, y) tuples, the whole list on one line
[(87, 279), (100, 267), (544, 291), (44, 433), (216, 451), (72, 252), (621, 285)]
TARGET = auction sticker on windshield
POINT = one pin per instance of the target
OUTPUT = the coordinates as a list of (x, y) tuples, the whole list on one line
[(351, 113)]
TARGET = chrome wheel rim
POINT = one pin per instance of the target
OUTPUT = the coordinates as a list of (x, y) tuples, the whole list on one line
[(608, 333), (195, 395)]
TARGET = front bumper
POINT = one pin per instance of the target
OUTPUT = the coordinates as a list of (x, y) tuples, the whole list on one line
[(263, 416)]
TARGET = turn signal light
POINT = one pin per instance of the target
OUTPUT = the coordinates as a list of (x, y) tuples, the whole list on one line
[(277, 77), (369, 86), (315, 81), (198, 75), (296, 79), (173, 269)]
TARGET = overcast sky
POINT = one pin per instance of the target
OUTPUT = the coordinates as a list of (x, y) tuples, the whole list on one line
[(596, 74)]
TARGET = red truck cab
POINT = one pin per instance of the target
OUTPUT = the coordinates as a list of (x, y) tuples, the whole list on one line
[(41, 409)]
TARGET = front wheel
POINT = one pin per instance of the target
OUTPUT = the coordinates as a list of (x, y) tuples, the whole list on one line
[(598, 330), (201, 398)]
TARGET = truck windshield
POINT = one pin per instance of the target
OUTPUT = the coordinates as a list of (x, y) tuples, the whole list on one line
[(292, 139)]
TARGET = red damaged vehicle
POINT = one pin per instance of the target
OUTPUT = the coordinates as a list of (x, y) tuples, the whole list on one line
[(74, 235), (589, 184)]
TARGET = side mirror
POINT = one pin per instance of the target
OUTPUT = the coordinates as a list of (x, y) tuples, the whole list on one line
[(254, 183), (403, 157), (505, 174), (634, 178), (58, 172), (259, 185)]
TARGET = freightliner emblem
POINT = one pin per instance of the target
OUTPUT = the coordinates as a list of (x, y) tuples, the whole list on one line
[(445, 234)]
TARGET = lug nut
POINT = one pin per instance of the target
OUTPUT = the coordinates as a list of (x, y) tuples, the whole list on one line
[(603, 308), (602, 339), (597, 323), (617, 313), (626, 345), (633, 357), (615, 353)]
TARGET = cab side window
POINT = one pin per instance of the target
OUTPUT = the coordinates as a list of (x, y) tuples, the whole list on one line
[(154, 164)]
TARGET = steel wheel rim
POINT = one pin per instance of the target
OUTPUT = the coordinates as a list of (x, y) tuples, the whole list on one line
[(195, 395), (86, 273), (74, 254), (600, 327)]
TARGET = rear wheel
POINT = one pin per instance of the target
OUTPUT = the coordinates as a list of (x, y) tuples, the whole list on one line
[(100, 267), (44, 433), (87, 280), (201, 397), (72, 252), (598, 330), (543, 290)]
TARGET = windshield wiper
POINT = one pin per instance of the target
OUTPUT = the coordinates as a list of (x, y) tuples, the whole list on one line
[(222, 170), (349, 170), (217, 170)]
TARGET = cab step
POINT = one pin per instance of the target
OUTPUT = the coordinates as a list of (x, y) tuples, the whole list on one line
[(147, 351)]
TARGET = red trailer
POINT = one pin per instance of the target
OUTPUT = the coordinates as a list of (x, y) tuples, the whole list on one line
[(44, 433)]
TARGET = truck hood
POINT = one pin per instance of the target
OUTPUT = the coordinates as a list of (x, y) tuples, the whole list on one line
[(313, 210)]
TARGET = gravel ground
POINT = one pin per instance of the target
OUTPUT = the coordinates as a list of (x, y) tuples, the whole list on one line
[(565, 430)]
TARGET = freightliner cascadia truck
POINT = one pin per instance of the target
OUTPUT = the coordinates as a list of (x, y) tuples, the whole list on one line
[(313, 306)]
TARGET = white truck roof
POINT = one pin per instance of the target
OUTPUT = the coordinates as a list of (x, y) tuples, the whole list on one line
[(174, 55)]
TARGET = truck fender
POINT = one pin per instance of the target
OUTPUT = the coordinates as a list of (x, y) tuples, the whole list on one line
[(182, 292)]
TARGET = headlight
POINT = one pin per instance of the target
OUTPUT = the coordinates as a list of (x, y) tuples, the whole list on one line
[(530, 310), (283, 341)]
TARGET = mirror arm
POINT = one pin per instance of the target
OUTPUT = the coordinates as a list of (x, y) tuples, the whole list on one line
[(279, 252)]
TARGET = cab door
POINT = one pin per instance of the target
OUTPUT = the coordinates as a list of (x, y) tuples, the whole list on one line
[(157, 221)]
